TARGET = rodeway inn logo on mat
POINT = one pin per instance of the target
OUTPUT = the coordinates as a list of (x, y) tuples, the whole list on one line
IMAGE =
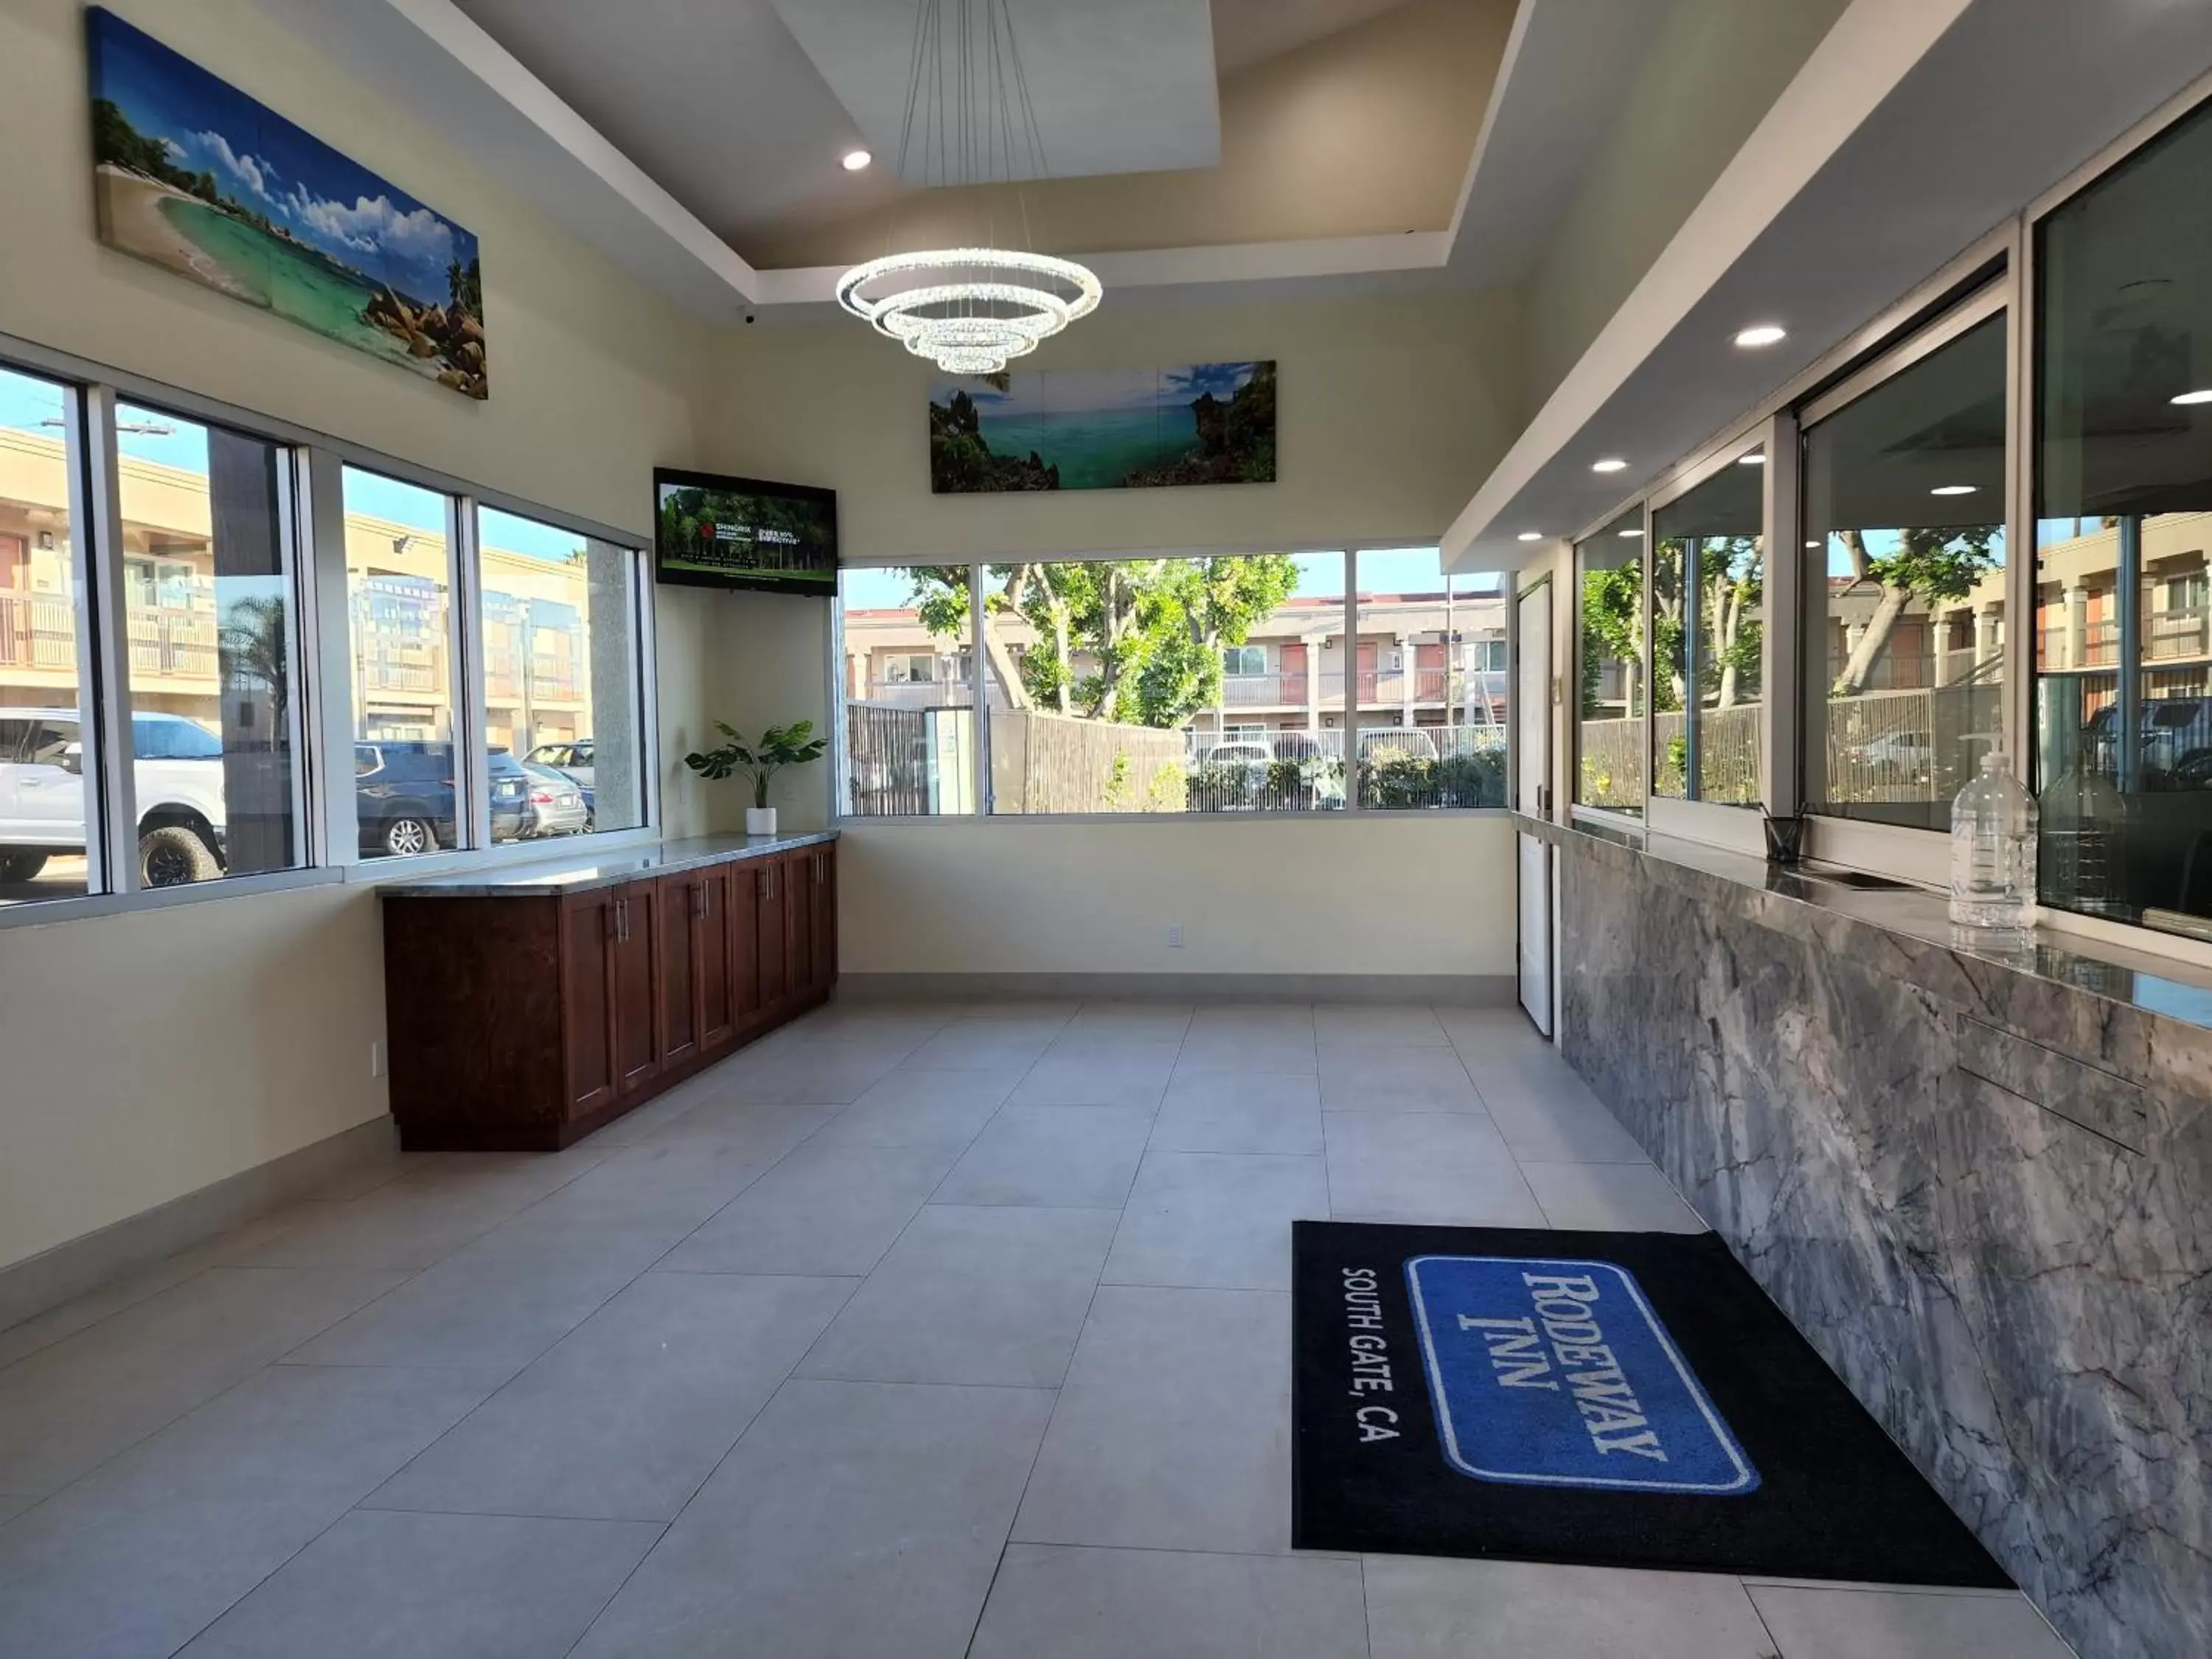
[(1557, 1373)]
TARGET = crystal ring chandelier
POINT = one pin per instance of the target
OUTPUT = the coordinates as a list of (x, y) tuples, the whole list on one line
[(969, 310)]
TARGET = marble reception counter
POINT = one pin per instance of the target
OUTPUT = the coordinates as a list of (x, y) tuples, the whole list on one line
[(1980, 1181)]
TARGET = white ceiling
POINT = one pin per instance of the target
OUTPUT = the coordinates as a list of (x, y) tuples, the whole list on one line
[(1126, 87), (1868, 176), (660, 130), (1248, 32)]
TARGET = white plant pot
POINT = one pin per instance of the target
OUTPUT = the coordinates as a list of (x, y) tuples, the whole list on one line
[(760, 820)]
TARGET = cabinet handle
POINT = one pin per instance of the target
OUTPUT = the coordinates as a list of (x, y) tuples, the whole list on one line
[(699, 900), (622, 921)]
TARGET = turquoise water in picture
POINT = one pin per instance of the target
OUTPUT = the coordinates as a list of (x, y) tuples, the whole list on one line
[(1095, 448), (290, 282)]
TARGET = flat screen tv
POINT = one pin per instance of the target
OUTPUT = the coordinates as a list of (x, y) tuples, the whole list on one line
[(714, 532)]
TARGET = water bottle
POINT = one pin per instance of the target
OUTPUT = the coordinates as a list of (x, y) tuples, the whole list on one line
[(1993, 851)]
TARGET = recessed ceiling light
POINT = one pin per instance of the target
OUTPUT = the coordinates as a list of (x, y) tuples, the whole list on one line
[(1952, 489), (1757, 458), (1632, 532), (1532, 535), (854, 160), (1813, 545), (1764, 334), (1610, 464), (2195, 398)]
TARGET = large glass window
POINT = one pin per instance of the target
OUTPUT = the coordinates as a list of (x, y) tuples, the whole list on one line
[(1168, 685), (46, 799), (1609, 768), (213, 676), (1712, 588), (1432, 712), (907, 685), (400, 588), (2124, 523), (1905, 586), (560, 643)]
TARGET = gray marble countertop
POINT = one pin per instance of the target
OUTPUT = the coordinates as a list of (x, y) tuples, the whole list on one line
[(1967, 967), (552, 878)]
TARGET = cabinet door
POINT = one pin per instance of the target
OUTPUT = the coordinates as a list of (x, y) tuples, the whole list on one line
[(717, 1016), (677, 924), (773, 897), (825, 918), (587, 1001), (636, 976), (799, 920), (742, 890)]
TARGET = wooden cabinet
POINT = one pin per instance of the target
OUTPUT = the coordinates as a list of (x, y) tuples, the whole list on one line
[(524, 1022), (678, 909)]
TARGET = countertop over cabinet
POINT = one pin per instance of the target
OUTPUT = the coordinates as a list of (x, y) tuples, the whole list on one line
[(552, 879), (526, 1009)]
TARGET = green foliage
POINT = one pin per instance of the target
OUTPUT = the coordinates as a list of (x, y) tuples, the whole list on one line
[(116, 143), (1137, 640), (1938, 565), (779, 746), (465, 283)]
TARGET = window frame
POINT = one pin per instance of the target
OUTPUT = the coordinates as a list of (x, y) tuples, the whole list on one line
[(1917, 855), (841, 817), (312, 521)]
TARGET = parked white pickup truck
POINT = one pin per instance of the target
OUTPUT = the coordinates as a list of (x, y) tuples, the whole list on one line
[(42, 794)]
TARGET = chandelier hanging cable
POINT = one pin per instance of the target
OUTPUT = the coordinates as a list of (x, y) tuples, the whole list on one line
[(970, 310)]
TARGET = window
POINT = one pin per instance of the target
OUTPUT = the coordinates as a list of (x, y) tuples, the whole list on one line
[(1146, 686), (213, 673), (910, 741), (558, 614), (1609, 739), (45, 773), (1905, 584), (1709, 626), (2124, 523), (1431, 719), (400, 587)]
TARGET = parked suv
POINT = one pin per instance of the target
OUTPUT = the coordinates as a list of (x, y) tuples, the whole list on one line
[(179, 778), (405, 792)]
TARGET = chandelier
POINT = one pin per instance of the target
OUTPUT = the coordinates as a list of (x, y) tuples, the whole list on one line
[(969, 310)]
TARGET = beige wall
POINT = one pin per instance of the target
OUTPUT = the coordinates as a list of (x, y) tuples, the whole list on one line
[(1328, 895), (144, 1056), (1387, 411), (1715, 69)]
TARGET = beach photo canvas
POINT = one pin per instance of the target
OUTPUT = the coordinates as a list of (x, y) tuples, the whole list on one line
[(1200, 424), (191, 175)]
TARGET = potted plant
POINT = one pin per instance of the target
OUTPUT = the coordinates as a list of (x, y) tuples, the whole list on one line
[(779, 746)]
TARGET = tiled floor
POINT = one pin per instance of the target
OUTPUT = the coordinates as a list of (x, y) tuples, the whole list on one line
[(911, 1332)]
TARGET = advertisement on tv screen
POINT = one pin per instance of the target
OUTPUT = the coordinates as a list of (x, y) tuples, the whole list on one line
[(714, 532)]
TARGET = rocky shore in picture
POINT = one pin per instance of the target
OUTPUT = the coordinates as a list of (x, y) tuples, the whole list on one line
[(1202, 424), (191, 174)]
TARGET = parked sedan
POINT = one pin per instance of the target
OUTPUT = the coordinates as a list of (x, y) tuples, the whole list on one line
[(557, 806)]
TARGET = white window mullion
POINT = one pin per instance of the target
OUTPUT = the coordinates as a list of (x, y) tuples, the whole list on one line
[(1351, 680), (472, 760), (106, 727), (336, 720)]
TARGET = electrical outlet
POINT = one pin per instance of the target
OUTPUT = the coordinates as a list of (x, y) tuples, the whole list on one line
[(375, 1057), (1175, 938)]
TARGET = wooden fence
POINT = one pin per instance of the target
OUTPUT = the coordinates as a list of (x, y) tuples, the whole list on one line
[(1043, 763)]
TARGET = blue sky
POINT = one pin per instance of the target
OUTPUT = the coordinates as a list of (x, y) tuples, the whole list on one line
[(262, 161)]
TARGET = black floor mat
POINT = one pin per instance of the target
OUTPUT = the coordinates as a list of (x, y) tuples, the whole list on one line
[(1610, 1399)]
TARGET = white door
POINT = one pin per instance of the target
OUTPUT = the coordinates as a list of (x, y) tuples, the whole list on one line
[(1532, 716)]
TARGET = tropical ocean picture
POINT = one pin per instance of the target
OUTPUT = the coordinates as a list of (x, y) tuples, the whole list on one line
[(190, 173), (1203, 423)]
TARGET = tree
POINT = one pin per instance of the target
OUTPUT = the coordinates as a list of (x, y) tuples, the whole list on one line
[(1134, 640), (1732, 577), (1937, 566), (252, 647)]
